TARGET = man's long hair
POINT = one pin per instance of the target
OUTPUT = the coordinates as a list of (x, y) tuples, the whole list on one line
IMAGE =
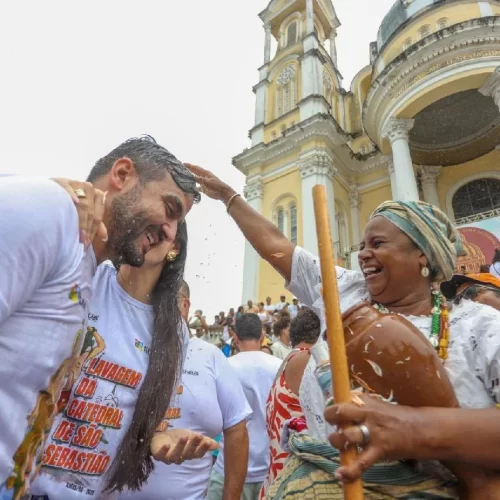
[(133, 462)]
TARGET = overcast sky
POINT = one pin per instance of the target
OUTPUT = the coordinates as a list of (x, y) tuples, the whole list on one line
[(79, 77)]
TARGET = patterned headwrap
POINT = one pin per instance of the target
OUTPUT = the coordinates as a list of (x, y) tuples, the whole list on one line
[(430, 229)]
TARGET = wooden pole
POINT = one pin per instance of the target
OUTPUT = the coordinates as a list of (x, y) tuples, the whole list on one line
[(335, 328)]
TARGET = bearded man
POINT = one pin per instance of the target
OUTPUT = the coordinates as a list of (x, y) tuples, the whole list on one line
[(45, 286)]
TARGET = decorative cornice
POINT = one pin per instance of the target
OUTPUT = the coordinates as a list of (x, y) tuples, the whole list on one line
[(397, 128), (314, 53), (321, 125), (254, 190), (262, 83), (428, 174), (318, 163), (405, 71)]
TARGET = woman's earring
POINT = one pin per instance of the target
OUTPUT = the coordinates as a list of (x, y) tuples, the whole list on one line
[(425, 272), (171, 256)]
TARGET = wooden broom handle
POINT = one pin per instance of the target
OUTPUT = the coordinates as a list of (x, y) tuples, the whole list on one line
[(335, 328)]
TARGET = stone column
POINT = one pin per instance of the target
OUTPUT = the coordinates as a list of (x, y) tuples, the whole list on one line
[(397, 132), (267, 44), (356, 230), (392, 175), (428, 177), (316, 168), (492, 87), (309, 17), (254, 193), (333, 47)]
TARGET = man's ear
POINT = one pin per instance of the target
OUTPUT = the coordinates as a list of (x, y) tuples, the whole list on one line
[(122, 174)]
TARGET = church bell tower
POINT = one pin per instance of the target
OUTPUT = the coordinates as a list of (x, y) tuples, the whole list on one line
[(299, 120)]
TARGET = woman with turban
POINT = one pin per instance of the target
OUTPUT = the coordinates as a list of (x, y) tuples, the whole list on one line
[(407, 250)]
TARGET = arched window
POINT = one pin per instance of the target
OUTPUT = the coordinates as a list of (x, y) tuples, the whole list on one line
[(281, 220), (424, 31), (293, 223), (291, 34), (442, 23), (407, 44), (286, 92), (476, 197)]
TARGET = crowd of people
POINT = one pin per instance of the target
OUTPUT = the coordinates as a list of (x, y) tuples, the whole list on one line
[(110, 389)]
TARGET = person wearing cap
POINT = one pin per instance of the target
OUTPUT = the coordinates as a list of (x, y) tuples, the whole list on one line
[(294, 308), (483, 288)]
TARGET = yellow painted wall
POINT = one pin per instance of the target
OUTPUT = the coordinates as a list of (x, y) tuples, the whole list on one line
[(451, 175), (270, 282), (370, 200), (455, 14)]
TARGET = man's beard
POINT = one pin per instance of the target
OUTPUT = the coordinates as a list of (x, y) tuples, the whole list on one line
[(127, 224)]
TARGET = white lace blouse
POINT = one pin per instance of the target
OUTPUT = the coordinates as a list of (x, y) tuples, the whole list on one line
[(473, 353)]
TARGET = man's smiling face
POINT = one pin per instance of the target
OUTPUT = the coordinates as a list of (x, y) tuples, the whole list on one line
[(143, 217)]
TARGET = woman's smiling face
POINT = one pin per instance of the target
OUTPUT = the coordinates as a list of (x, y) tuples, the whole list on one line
[(390, 262)]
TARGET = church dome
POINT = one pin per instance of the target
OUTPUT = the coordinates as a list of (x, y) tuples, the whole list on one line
[(400, 13)]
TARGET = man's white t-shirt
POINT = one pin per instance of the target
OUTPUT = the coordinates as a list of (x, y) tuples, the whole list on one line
[(97, 404), (45, 286), (279, 306), (256, 371), (209, 400), (293, 310)]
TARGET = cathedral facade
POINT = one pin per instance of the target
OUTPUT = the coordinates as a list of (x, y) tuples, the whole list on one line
[(421, 121)]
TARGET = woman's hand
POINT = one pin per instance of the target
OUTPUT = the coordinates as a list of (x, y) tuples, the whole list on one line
[(177, 445), (211, 185), (394, 433), (90, 209)]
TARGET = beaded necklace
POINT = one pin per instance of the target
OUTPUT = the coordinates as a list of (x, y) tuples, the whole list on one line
[(440, 326)]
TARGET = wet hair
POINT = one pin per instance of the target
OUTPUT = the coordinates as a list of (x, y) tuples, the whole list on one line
[(151, 162), (248, 327), (133, 462), (496, 256), (306, 327), (280, 325)]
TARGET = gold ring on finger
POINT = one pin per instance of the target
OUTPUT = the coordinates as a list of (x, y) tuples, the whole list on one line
[(80, 193)]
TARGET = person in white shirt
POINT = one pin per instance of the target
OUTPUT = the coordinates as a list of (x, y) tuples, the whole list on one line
[(281, 304), (46, 283), (269, 308), (256, 372), (294, 308), (109, 409), (281, 329), (208, 382)]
